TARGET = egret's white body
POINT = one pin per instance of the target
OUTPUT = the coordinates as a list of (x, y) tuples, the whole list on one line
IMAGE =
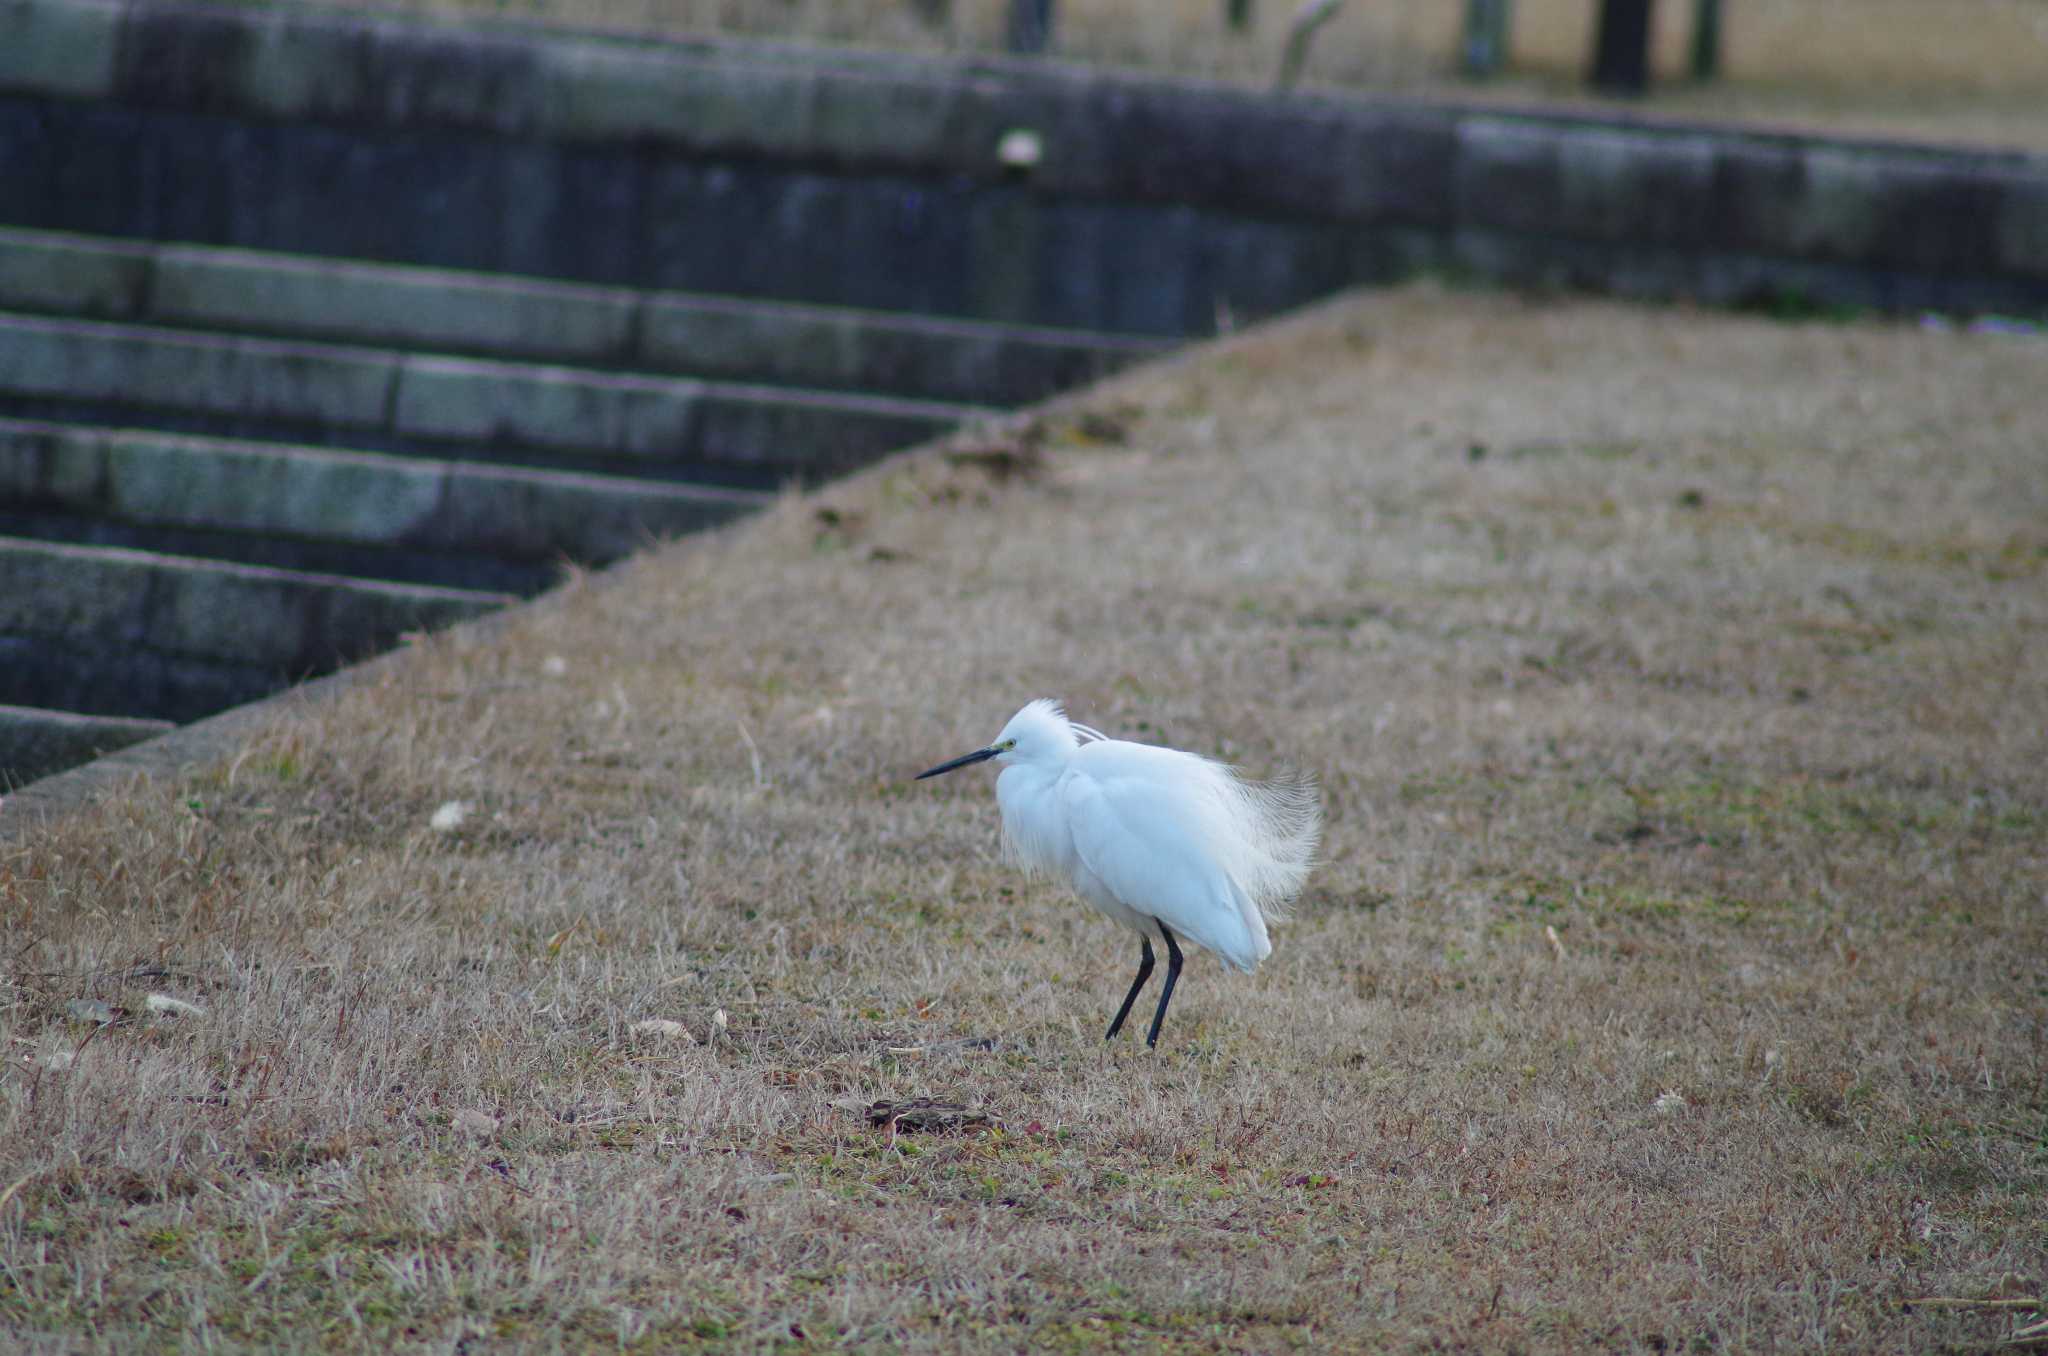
[(1169, 844)]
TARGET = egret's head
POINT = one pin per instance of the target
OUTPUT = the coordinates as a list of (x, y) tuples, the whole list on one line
[(1040, 733)]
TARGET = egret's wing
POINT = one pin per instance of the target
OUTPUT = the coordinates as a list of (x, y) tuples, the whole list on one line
[(1133, 835)]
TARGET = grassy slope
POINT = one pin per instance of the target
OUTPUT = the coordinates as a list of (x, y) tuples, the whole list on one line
[(1712, 645)]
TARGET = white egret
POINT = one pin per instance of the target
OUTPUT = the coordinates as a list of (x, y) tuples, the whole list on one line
[(1166, 843)]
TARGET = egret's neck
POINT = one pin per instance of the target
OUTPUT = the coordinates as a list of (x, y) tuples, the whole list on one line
[(1034, 829)]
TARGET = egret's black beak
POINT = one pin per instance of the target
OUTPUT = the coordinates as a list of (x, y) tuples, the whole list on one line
[(978, 756)]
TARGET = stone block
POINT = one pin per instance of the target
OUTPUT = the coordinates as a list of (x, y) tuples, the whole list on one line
[(281, 621), (537, 515), (361, 616), (1404, 161), (307, 66), (89, 675), (130, 365), (66, 50), (1507, 175), (417, 308), (496, 404), (893, 118), (29, 455), (186, 59), (789, 432), (63, 274), (2021, 239), (35, 743), (419, 74), (1839, 211), (49, 591), (261, 487), (873, 351), (1936, 217), (732, 106), (1758, 184), (1635, 187), (658, 419), (601, 91)]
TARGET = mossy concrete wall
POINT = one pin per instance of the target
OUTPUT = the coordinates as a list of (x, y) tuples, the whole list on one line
[(1155, 206), (189, 637), (36, 743)]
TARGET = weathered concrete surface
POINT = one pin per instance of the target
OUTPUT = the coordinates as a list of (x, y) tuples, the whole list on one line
[(35, 743), (208, 735), (574, 155), (97, 630), (457, 311), (346, 498), (640, 217), (427, 402)]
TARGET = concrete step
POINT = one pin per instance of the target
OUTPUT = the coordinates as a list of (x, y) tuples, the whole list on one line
[(36, 743), (108, 631), (426, 403), (440, 521), (456, 311)]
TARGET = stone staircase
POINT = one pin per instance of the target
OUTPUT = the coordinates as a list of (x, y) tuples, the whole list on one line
[(440, 309), (224, 470)]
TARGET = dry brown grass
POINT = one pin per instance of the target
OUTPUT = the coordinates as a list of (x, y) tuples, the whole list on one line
[(1713, 646), (1972, 71)]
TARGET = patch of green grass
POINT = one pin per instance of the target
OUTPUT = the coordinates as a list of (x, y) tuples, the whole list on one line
[(1793, 305), (1723, 811)]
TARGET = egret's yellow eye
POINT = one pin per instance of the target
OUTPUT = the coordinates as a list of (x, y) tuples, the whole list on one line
[(1009, 744)]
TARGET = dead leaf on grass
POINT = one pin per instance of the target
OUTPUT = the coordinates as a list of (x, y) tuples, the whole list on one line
[(1004, 450), (927, 1115), (1112, 427)]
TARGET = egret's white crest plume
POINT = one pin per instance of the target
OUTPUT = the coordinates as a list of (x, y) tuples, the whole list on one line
[(1169, 844)]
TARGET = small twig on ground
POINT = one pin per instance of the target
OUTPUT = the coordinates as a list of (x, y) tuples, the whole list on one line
[(754, 754), (16, 1185)]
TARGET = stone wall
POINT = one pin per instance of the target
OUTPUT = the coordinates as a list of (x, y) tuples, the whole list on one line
[(1154, 206)]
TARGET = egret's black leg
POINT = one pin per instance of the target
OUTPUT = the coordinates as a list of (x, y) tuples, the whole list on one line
[(1172, 978), (1144, 973)]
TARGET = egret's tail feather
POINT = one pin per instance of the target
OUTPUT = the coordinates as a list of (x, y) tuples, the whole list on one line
[(1289, 814)]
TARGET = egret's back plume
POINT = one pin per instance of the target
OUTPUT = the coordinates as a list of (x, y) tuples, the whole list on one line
[(1171, 845)]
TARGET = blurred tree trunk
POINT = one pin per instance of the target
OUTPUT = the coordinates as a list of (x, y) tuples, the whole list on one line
[(1621, 46), (1030, 26), (1706, 39), (1485, 49)]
